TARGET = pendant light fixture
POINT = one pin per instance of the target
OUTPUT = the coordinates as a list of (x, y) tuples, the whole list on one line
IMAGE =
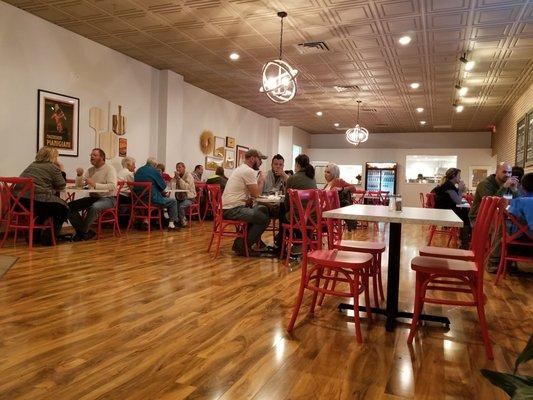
[(357, 134), (279, 78)]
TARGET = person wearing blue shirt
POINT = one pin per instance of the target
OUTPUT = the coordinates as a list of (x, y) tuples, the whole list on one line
[(522, 207), (149, 173)]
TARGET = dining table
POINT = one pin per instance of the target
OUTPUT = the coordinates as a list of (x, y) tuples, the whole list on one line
[(408, 215)]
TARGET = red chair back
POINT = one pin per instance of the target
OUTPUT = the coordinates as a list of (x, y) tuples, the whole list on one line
[(200, 190), (14, 189), (306, 216), (141, 196), (330, 201), (358, 197), (480, 235), (4, 202), (430, 200), (214, 197)]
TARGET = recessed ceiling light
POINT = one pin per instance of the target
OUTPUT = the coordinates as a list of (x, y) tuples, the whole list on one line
[(234, 56), (415, 85), (470, 65), (422, 122), (319, 113), (459, 108), (419, 109), (404, 40), (463, 91), (336, 124)]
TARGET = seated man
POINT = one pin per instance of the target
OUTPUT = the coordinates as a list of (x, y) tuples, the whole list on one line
[(245, 183), (522, 207), (149, 173), (198, 172), (184, 181), (99, 176), (276, 178)]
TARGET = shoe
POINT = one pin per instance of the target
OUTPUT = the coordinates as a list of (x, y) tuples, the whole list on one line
[(492, 267), (89, 235), (78, 237)]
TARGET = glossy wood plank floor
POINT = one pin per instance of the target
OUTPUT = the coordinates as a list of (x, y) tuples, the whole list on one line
[(153, 317)]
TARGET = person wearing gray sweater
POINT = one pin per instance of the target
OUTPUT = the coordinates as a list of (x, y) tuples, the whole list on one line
[(100, 176), (48, 179)]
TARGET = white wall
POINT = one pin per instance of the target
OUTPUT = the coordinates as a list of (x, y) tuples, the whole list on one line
[(289, 136), (409, 191), (165, 116), (36, 54)]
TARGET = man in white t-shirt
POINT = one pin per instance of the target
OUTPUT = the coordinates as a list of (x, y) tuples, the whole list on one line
[(245, 183)]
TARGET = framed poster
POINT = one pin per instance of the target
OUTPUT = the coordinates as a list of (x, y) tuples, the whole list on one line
[(520, 151), (230, 142), (229, 159), (220, 145), (528, 148), (211, 163), (241, 151), (477, 173), (58, 122), (122, 147)]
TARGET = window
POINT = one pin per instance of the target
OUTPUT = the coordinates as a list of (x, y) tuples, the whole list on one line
[(427, 169)]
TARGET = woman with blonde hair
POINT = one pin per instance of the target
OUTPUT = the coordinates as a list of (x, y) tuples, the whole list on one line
[(48, 178)]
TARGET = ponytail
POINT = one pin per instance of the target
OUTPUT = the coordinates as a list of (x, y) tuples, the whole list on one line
[(303, 161)]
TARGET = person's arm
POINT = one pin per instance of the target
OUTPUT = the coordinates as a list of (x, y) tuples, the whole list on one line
[(254, 182), (58, 180), (158, 181), (456, 197)]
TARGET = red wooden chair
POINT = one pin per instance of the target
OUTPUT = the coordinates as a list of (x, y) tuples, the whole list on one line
[(330, 201), (347, 265), (449, 275), (194, 208), (469, 198), (292, 230), (141, 204), (521, 239), (220, 225), (20, 216), (358, 196), (452, 233), (4, 204), (110, 215)]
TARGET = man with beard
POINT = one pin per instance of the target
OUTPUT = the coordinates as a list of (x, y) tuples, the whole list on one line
[(245, 183)]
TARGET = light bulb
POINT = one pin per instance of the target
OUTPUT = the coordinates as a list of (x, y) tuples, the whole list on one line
[(415, 85)]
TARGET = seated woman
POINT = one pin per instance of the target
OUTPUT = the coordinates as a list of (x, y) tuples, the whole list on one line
[(48, 178), (218, 179), (335, 182), (448, 195)]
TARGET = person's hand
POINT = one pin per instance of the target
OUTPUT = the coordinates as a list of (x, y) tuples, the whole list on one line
[(91, 182), (249, 202), (79, 171), (461, 186), (166, 194), (511, 183)]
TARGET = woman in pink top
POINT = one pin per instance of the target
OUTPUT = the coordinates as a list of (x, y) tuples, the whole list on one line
[(333, 180)]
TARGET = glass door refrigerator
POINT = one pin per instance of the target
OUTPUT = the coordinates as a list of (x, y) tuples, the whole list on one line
[(381, 177)]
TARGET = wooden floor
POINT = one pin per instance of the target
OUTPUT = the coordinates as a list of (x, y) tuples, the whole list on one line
[(153, 317)]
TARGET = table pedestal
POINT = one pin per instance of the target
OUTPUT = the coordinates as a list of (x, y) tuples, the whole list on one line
[(393, 286)]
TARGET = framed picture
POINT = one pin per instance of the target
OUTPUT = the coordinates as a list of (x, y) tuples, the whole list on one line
[(58, 122), (211, 163), (528, 146), (220, 145), (122, 147), (241, 151), (229, 159), (521, 136), (477, 173), (230, 142)]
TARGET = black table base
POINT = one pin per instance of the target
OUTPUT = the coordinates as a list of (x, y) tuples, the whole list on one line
[(399, 314)]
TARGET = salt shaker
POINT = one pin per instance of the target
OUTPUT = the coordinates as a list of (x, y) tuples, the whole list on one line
[(398, 202)]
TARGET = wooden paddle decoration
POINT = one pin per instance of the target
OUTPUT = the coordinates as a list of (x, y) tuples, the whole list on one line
[(108, 140), (119, 123), (95, 122)]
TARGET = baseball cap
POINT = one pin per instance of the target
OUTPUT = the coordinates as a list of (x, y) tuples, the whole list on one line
[(255, 153)]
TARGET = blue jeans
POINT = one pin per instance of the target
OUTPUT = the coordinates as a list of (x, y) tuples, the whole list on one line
[(92, 205), (172, 207), (257, 218), (182, 206)]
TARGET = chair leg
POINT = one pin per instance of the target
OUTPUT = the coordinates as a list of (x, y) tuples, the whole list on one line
[(245, 239), (502, 267), (484, 328), (160, 219), (299, 297), (117, 226), (373, 271), (431, 233), (219, 238), (315, 293), (355, 294), (5, 234), (30, 234), (366, 283), (419, 304), (380, 283), (99, 230), (326, 285), (213, 233)]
